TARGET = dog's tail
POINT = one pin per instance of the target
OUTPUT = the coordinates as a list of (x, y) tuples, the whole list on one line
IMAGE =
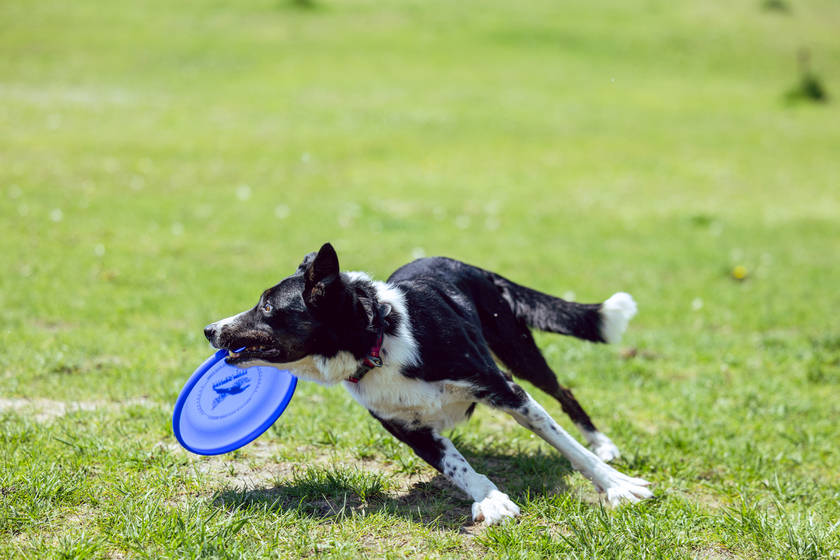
[(598, 322)]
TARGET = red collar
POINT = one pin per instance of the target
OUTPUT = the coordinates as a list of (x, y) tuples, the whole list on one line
[(372, 360)]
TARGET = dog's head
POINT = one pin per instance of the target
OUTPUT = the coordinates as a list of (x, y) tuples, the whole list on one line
[(312, 312)]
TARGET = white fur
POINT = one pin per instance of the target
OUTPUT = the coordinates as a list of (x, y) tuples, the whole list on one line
[(489, 504), (339, 367), (606, 479), (357, 276), (304, 368), (616, 312), (391, 395), (496, 507), (600, 444), (321, 370), (401, 348)]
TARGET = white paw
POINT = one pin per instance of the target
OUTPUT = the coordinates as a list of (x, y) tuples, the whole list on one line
[(494, 508), (619, 487), (605, 450)]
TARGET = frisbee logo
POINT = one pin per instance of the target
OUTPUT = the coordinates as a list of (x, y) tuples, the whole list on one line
[(240, 380)]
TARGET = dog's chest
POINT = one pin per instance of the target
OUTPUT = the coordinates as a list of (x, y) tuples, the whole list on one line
[(393, 396)]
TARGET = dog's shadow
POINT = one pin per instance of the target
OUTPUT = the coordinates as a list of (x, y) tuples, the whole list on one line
[(432, 502)]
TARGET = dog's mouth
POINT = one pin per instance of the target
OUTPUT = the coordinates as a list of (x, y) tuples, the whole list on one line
[(248, 353)]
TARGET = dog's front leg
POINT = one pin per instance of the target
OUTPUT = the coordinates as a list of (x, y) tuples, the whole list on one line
[(490, 505)]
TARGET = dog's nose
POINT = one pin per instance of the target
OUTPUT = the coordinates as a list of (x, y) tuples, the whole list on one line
[(210, 332)]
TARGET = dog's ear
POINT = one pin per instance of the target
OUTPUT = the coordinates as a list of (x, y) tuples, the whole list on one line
[(321, 276), (307, 260)]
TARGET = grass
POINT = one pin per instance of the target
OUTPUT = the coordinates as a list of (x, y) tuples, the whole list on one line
[(162, 163)]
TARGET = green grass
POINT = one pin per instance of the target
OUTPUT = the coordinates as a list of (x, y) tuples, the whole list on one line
[(161, 163)]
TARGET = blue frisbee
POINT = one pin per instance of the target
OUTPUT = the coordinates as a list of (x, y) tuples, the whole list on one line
[(223, 407)]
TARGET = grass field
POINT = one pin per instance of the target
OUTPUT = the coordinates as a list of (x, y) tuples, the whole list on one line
[(163, 162)]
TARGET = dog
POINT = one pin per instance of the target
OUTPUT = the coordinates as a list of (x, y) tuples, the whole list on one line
[(422, 349)]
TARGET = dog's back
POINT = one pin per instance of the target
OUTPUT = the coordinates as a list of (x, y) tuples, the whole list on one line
[(504, 307)]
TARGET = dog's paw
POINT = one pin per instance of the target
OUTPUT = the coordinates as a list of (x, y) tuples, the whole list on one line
[(605, 450), (620, 487), (494, 508)]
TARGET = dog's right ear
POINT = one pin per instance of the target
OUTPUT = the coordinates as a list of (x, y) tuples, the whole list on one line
[(321, 276)]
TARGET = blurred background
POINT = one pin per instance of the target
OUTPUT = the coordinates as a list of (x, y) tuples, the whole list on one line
[(163, 163)]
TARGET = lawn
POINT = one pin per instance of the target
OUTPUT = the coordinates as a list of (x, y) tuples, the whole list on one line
[(163, 162)]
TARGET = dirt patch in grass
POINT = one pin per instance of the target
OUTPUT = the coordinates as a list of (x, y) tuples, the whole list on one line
[(716, 552), (45, 410), (72, 523)]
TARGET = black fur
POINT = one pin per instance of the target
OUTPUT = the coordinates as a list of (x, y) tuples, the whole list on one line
[(458, 311), (422, 440)]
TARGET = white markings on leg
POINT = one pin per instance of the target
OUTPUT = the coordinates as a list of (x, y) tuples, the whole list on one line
[(600, 444), (490, 505), (606, 479)]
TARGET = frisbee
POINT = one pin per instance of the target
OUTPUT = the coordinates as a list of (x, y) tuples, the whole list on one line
[(223, 407)]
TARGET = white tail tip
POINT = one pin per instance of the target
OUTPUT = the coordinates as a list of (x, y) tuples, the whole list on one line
[(616, 312)]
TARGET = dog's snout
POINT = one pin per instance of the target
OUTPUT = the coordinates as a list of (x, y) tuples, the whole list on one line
[(210, 332)]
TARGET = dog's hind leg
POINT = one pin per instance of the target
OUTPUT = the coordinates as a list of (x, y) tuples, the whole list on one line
[(510, 397), (525, 361), (489, 504)]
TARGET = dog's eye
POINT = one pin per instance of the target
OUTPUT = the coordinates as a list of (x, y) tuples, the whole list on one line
[(267, 308)]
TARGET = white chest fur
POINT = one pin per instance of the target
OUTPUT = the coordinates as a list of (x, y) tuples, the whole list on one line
[(391, 395)]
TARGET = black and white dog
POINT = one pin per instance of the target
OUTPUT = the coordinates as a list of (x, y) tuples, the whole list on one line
[(420, 350)]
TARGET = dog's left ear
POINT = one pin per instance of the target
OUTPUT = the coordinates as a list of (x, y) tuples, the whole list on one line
[(321, 276), (307, 260)]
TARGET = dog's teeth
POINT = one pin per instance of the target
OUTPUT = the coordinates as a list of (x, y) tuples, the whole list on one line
[(232, 354)]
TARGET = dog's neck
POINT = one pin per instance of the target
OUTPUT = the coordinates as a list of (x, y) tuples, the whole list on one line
[(398, 348), (373, 358)]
